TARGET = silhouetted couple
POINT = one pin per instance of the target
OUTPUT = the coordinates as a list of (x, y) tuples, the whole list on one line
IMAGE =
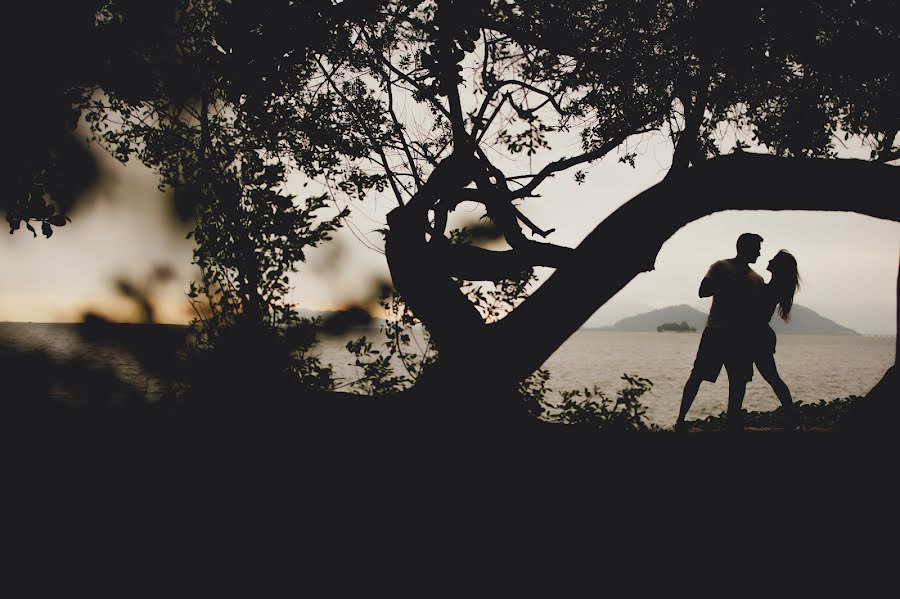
[(737, 333)]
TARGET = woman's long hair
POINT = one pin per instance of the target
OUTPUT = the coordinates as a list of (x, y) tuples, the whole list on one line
[(786, 280)]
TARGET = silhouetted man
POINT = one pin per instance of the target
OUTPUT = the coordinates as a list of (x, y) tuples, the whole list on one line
[(734, 287)]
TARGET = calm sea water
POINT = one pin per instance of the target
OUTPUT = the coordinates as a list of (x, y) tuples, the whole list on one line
[(69, 361), (814, 367)]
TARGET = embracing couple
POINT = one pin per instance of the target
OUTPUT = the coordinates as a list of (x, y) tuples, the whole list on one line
[(737, 333)]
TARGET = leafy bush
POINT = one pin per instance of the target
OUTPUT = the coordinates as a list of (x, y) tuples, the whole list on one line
[(534, 391), (821, 414), (378, 376), (594, 409)]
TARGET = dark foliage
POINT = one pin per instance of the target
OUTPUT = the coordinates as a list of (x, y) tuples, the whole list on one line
[(435, 104)]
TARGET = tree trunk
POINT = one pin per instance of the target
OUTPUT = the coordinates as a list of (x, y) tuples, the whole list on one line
[(881, 407), (474, 356)]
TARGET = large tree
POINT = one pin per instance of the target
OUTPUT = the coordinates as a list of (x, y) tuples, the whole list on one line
[(430, 102), (500, 76)]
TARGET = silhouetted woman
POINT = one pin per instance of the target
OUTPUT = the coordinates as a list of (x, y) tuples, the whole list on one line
[(778, 293)]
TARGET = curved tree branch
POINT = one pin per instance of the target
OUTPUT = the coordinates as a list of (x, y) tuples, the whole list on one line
[(631, 237), (688, 148), (473, 263), (551, 98)]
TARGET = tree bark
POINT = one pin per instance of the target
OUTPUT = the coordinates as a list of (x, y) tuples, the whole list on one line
[(627, 242)]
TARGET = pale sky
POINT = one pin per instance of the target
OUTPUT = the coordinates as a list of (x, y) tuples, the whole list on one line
[(848, 262)]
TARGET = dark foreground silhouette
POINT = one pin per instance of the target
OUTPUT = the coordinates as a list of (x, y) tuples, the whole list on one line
[(240, 395)]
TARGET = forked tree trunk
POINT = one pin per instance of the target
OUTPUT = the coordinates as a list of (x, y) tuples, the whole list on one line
[(628, 241)]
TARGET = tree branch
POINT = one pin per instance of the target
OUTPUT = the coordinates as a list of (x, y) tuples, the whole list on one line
[(398, 130), (566, 163), (362, 121), (489, 93), (635, 232), (487, 124), (687, 150), (403, 76), (888, 153), (472, 263), (448, 82), (556, 43), (549, 95)]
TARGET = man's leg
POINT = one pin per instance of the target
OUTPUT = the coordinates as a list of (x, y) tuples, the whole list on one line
[(691, 387), (739, 366), (736, 390), (707, 365)]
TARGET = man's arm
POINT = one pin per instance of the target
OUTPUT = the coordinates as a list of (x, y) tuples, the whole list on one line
[(711, 283)]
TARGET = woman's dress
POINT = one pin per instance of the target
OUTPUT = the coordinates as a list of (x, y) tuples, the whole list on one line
[(764, 336)]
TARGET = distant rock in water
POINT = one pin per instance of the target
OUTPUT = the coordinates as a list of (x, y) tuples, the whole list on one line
[(803, 321), (676, 327)]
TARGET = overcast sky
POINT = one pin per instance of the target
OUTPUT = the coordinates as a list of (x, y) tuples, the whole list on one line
[(848, 262)]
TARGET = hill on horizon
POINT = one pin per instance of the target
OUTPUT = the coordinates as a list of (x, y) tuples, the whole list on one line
[(804, 321)]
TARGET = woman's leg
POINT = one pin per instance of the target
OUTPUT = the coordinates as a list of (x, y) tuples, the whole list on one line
[(768, 370), (766, 366)]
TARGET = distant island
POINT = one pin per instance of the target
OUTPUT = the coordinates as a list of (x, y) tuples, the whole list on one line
[(676, 327), (803, 321), (681, 318)]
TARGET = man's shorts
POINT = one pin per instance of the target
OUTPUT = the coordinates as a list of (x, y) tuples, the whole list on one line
[(723, 348)]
